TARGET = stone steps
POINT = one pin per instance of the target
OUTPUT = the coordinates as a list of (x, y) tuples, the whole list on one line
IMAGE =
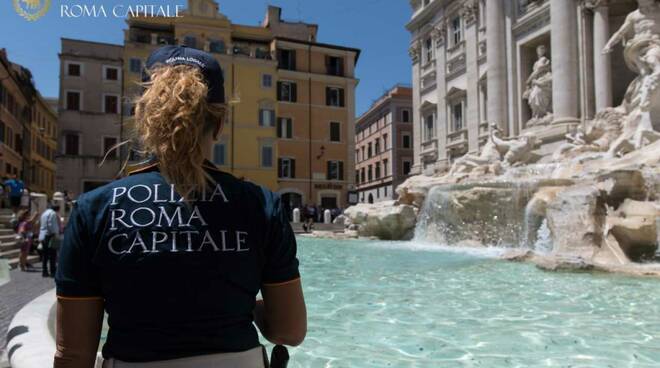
[(31, 259), (9, 254), (6, 238), (9, 245)]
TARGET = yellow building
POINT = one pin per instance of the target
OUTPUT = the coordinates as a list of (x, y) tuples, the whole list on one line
[(28, 127), (14, 116), (292, 107), (43, 146)]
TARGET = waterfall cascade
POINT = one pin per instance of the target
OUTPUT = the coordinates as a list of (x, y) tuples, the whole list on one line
[(488, 214)]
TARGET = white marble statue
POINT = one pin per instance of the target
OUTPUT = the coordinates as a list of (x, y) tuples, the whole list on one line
[(640, 35), (496, 154), (595, 136), (516, 151), (539, 88), (488, 159)]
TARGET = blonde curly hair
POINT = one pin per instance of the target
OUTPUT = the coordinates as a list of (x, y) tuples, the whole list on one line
[(172, 117)]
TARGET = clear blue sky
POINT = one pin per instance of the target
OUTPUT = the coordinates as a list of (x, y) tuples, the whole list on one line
[(374, 26)]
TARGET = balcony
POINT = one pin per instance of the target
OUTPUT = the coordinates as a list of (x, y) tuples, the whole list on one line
[(457, 138), (429, 149)]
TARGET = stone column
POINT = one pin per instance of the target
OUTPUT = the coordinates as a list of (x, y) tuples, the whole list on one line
[(563, 25), (602, 62), (496, 58), (439, 34), (414, 52), (469, 14)]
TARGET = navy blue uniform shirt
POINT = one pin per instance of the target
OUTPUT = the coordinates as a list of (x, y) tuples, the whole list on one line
[(178, 279)]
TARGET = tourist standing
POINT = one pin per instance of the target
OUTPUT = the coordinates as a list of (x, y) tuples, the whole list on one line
[(3, 193), (25, 235), (49, 230), (15, 187), (179, 292)]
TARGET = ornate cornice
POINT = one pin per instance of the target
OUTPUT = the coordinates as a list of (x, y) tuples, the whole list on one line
[(415, 50), (439, 33), (470, 12)]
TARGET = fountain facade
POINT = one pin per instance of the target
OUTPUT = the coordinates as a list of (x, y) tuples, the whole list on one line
[(594, 200)]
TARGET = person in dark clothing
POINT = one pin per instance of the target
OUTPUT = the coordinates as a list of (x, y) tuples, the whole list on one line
[(177, 251), (50, 229)]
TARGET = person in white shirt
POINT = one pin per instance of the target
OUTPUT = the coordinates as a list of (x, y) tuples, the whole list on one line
[(49, 230)]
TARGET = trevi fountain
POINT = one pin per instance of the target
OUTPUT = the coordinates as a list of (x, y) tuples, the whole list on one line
[(592, 204)]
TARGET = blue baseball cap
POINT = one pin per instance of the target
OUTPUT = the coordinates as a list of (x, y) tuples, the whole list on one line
[(182, 55)]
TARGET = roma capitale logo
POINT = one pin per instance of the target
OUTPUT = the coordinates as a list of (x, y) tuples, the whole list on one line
[(31, 9)]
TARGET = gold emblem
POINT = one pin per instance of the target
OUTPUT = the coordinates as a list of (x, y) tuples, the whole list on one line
[(31, 9)]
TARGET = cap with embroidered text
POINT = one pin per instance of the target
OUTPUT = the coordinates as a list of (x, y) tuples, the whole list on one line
[(182, 55)]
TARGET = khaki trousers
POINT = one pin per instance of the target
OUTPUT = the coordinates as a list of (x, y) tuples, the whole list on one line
[(253, 358)]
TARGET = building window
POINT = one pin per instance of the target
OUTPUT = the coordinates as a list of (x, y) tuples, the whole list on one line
[(456, 31), (335, 131), (369, 173), (406, 167), (428, 47), (286, 59), (362, 175), (219, 153), (190, 41), (266, 80), (73, 100), (384, 142), (335, 170), (369, 152), (71, 144), (110, 73), (111, 104), (377, 170), (108, 144), (429, 128), (2, 132), (377, 146), (284, 128), (457, 117), (267, 155), (135, 65), (217, 47), (334, 65), (405, 141), (385, 170), (18, 143), (357, 176), (334, 96), (73, 69), (266, 117), (405, 116), (286, 91), (286, 168)]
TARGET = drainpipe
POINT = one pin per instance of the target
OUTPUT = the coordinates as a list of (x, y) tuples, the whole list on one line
[(309, 116)]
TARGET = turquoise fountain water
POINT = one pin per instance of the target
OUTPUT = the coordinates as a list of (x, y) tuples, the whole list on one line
[(406, 304), (411, 304)]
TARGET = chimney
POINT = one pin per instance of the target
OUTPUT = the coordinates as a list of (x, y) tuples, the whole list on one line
[(273, 16)]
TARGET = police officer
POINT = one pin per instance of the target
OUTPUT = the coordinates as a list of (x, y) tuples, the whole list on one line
[(177, 251)]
